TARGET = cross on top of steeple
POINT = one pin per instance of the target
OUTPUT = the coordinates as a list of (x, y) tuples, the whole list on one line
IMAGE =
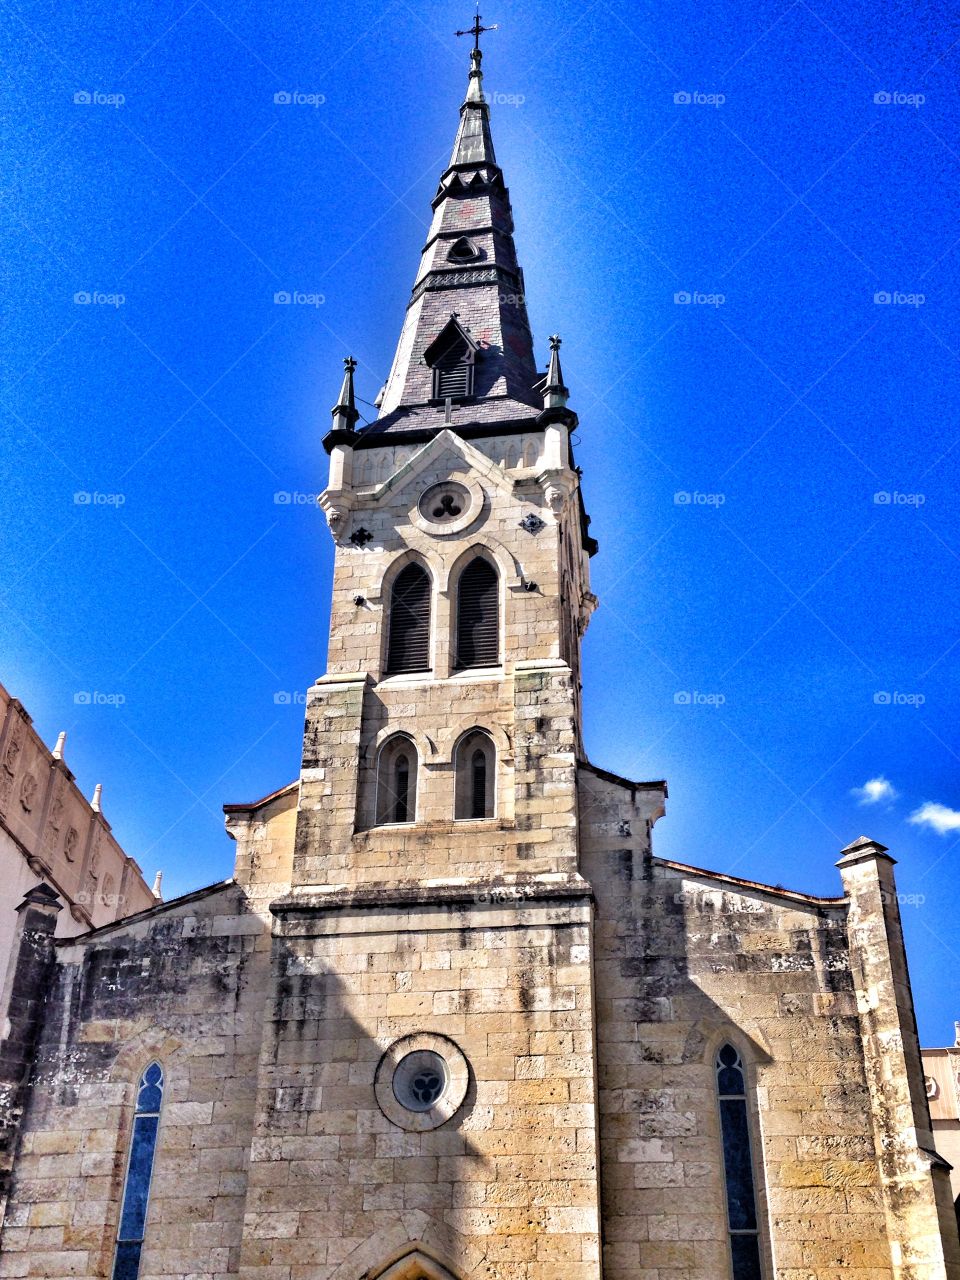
[(477, 30)]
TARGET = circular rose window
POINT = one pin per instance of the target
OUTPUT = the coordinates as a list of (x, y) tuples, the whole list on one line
[(421, 1082), (448, 508), (445, 503)]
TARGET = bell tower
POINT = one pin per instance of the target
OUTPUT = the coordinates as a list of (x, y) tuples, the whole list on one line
[(433, 954), (461, 581)]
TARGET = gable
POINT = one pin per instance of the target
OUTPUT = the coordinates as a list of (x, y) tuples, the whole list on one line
[(459, 455)]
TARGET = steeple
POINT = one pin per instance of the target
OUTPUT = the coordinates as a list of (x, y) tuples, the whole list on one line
[(469, 275)]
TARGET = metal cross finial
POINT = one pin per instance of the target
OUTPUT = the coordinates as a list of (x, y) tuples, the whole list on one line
[(477, 30), (349, 364)]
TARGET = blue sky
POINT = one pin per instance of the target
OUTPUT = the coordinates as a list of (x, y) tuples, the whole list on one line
[(771, 637)]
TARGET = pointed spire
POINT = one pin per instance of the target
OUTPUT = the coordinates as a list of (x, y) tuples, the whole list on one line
[(344, 412), (58, 749), (95, 802), (158, 881), (475, 81), (555, 394), (474, 141), (468, 265)]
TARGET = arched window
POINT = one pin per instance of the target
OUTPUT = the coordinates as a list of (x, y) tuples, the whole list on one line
[(397, 781), (475, 776), (408, 648), (738, 1178), (136, 1189), (478, 615)]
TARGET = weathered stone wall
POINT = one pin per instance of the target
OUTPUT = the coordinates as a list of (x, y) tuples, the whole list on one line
[(915, 1181), (520, 452), (684, 961), (186, 985), (508, 1187), (388, 514)]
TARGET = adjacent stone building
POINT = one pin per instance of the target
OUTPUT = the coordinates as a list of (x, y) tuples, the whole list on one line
[(451, 1019), (50, 832), (61, 873), (942, 1080)]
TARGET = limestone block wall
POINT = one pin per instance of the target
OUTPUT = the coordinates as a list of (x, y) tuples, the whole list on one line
[(531, 717), (689, 959), (531, 618), (684, 962), (914, 1178), (507, 1187), (185, 985), (520, 452), (264, 833)]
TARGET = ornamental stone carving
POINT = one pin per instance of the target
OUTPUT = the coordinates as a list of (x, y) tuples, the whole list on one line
[(29, 789), (10, 757)]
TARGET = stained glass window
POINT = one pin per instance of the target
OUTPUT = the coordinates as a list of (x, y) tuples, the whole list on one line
[(136, 1190), (738, 1166)]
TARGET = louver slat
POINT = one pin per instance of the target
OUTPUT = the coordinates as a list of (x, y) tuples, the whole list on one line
[(478, 616), (454, 382), (409, 644)]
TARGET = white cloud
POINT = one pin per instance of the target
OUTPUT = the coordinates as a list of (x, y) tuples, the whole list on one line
[(876, 791), (939, 817)]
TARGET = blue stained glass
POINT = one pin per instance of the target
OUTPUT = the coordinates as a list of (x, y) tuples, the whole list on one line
[(134, 1216), (127, 1264), (149, 1097), (745, 1251), (730, 1080), (729, 1071), (136, 1191), (738, 1167)]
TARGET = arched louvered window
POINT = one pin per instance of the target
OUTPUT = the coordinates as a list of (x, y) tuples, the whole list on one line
[(478, 615), (742, 1221), (397, 781), (408, 648), (475, 776), (136, 1188)]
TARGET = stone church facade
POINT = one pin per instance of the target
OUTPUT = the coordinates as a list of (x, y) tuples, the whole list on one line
[(451, 1019)]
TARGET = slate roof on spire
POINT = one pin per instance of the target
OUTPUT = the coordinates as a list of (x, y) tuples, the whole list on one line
[(468, 267)]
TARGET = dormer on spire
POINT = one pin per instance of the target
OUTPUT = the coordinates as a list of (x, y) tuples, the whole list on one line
[(452, 356)]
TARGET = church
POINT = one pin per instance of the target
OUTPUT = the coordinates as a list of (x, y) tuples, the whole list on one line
[(451, 1018)]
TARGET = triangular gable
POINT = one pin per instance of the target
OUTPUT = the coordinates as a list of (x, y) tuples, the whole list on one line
[(446, 441)]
